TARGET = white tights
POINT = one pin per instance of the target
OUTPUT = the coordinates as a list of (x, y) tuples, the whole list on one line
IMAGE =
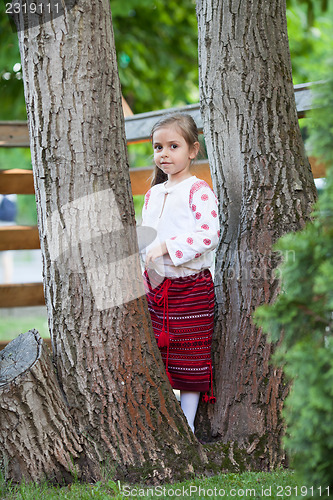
[(189, 403)]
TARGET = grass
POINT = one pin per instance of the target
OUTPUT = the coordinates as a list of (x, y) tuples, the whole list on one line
[(16, 321), (273, 485)]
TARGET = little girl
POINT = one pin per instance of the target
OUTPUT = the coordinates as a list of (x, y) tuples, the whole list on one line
[(184, 212)]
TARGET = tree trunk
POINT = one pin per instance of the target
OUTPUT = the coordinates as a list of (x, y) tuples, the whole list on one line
[(265, 187), (107, 361), (38, 437)]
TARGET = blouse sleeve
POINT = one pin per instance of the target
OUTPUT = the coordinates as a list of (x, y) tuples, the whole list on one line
[(205, 236)]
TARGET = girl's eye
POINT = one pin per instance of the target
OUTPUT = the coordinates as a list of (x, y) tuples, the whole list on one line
[(157, 148), (174, 146)]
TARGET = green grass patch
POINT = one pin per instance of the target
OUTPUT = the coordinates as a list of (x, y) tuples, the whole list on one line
[(273, 485), (16, 321)]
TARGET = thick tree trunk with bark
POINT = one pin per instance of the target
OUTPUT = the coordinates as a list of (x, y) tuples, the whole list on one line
[(38, 436), (107, 361), (265, 187)]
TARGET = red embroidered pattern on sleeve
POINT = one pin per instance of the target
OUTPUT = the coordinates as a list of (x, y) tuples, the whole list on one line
[(179, 254), (207, 241), (198, 185), (205, 226), (189, 241), (147, 198)]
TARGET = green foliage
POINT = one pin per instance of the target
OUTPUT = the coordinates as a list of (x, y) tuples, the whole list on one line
[(156, 44), (15, 158), (303, 311), (26, 210), (11, 84), (309, 410), (310, 42), (313, 8)]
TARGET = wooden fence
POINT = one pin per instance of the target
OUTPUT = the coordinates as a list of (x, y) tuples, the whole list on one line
[(18, 181)]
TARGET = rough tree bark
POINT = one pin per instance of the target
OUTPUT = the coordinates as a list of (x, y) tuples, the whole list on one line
[(37, 430), (107, 362), (265, 187)]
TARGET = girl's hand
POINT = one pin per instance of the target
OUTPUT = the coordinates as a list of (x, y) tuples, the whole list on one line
[(155, 253)]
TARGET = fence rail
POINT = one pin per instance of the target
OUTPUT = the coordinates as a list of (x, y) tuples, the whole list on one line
[(138, 127)]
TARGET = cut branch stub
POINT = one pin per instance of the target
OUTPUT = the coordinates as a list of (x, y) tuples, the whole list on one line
[(37, 436)]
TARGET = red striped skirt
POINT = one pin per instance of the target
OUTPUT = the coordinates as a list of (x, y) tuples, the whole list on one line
[(182, 314)]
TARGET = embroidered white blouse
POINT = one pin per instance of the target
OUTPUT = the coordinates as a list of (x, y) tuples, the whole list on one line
[(185, 216)]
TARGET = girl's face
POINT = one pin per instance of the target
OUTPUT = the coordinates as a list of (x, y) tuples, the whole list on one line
[(172, 154)]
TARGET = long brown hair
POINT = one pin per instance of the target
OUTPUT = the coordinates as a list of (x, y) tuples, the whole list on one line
[(188, 130)]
